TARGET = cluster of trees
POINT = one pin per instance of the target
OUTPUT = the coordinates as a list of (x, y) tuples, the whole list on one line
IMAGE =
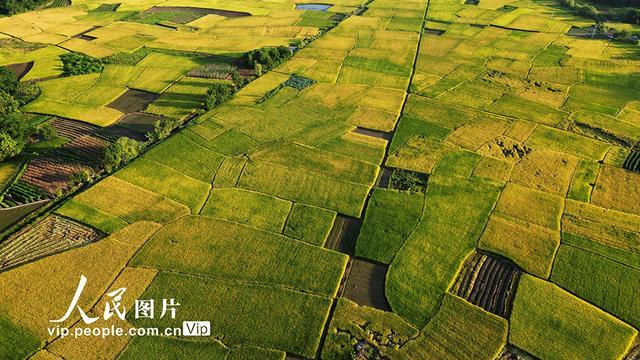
[(217, 94), (14, 130), (78, 64), (620, 10), (267, 58), (120, 152), (11, 7)]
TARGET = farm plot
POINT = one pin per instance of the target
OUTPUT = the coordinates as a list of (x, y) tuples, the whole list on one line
[(103, 98), (610, 233), (295, 185), (488, 282), (459, 330), (16, 342), (263, 316), (211, 247), (53, 171), (525, 227), (163, 347), (390, 218), (549, 322), (614, 187), (162, 15), (11, 215), (436, 249), (343, 234), (545, 170), (309, 223), (602, 281), (133, 101), (167, 182), (182, 98), (23, 194), (248, 207), (317, 161), (130, 203), (187, 157)]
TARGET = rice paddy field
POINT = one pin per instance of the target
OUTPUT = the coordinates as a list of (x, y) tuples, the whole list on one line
[(419, 179)]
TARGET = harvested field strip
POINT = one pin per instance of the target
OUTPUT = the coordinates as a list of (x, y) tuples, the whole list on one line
[(343, 234), (140, 122), (133, 101), (47, 237), (72, 129), (365, 284), (20, 69), (632, 163), (113, 132), (53, 171), (373, 133), (488, 282)]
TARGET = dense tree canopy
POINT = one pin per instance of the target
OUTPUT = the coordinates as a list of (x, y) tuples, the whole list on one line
[(10, 7), (13, 129)]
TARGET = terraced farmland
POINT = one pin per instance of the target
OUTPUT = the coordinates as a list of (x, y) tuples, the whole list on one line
[(381, 179)]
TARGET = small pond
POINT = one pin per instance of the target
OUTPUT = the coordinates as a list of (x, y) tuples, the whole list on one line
[(312, 6)]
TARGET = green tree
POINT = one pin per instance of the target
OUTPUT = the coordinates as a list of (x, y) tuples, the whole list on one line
[(217, 94), (9, 147), (120, 152), (78, 64)]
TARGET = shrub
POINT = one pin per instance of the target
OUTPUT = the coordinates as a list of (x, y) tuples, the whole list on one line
[(9, 147), (46, 131), (80, 177), (217, 94), (236, 78), (120, 152), (78, 64), (257, 67)]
